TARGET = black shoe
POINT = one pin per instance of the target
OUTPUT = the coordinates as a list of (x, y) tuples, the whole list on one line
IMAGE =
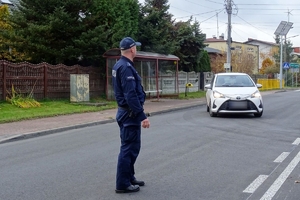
[(136, 182), (131, 188)]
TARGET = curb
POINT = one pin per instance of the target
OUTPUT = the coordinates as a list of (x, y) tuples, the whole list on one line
[(52, 131)]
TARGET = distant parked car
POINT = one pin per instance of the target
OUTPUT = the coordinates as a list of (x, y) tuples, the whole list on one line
[(233, 93)]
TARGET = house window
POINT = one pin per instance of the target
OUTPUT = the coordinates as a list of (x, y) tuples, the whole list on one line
[(250, 49), (238, 48)]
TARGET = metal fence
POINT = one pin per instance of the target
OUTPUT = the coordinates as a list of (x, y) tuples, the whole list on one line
[(46, 81)]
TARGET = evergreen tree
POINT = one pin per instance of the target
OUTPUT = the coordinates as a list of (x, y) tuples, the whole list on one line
[(204, 62), (72, 31), (46, 30), (288, 47), (122, 21), (113, 20), (189, 46), (277, 39), (155, 27)]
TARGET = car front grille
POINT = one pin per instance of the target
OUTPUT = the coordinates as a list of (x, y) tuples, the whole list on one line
[(238, 105)]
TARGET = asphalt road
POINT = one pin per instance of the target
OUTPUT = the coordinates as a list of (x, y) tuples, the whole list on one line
[(185, 155)]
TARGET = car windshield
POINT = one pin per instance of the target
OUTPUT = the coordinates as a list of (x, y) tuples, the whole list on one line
[(233, 81)]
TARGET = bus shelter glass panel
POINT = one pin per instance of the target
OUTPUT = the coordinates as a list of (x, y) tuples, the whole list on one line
[(147, 71), (167, 81)]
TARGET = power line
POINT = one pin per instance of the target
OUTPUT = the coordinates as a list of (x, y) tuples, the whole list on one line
[(214, 2), (264, 9), (267, 4), (198, 4), (237, 33), (212, 16), (219, 10), (254, 26)]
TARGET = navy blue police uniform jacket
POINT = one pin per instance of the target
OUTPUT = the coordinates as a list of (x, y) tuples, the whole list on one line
[(129, 93)]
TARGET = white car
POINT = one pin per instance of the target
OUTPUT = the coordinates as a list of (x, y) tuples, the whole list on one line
[(233, 93)]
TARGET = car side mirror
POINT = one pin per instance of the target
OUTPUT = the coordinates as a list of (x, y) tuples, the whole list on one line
[(207, 86), (258, 85)]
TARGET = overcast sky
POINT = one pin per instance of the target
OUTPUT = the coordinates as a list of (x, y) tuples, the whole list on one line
[(257, 19)]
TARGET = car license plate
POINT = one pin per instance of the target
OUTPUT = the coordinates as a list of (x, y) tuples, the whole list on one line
[(238, 105)]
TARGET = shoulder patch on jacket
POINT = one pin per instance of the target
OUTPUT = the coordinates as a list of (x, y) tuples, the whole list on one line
[(114, 73), (128, 78)]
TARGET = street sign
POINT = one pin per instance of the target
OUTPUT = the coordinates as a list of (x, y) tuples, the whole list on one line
[(227, 65), (286, 65), (294, 65), (294, 70)]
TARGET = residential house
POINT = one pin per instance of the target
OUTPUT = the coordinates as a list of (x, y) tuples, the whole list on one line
[(212, 53), (243, 55), (214, 56), (266, 49), (296, 53), (296, 49)]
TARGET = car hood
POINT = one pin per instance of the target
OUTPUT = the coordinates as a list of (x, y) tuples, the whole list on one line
[(236, 90)]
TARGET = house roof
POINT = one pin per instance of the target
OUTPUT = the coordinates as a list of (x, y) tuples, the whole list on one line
[(260, 41), (294, 53), (214, 40), (209, 40), (212, 50)]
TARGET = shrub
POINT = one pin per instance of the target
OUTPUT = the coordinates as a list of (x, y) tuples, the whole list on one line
[(20, 101)]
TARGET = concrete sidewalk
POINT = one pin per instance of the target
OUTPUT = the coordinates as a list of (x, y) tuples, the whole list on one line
[(43, 126)]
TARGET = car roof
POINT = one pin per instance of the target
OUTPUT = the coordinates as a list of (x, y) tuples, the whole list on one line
[(230, 73)]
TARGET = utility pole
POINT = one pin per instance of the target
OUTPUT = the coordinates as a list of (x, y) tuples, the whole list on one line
[(229, 12), (282, 30), (217, 25), (289, 12)]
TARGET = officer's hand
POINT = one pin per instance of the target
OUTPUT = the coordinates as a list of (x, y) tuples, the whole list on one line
[(146, 123)]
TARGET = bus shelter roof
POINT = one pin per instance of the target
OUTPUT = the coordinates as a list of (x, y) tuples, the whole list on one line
[(140, 55)]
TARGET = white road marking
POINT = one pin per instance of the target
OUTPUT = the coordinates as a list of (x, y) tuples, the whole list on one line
[(280, 180), (256, 183), (296, 142), (281, 158)]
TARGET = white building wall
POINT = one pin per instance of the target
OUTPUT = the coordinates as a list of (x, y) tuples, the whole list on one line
[(262, 48)]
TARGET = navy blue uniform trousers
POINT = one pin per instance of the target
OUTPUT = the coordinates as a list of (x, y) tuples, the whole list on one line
[(129, 151)]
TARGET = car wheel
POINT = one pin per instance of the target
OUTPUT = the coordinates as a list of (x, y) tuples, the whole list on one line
[(212, 114), (258, 114)]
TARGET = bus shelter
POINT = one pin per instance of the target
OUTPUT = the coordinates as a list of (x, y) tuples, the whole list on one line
[(159, 73)]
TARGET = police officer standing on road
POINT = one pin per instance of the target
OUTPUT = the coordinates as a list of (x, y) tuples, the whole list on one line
[(130, 116)]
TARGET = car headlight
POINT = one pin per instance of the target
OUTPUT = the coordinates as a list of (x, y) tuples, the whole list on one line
[(256, 95), (218, 95)]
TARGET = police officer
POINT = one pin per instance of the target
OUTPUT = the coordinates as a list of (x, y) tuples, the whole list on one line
[(130, 116)]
